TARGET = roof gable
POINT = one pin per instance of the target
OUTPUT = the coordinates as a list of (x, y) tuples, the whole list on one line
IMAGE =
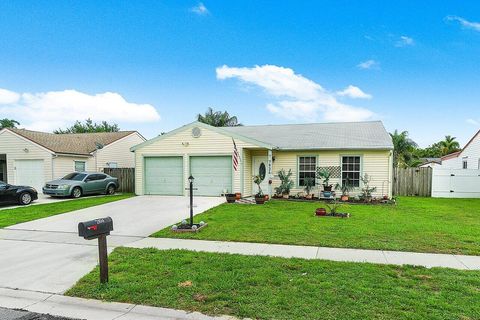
[(77, 143), (204, 126)]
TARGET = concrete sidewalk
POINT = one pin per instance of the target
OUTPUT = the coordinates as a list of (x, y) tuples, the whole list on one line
[(428, 260), (79, 308)]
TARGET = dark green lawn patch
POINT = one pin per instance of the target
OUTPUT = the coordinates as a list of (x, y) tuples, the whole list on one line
[(414, 224), (10, 217), (277, 288)]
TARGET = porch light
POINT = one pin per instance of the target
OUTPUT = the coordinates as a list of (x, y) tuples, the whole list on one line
[(190, 179)]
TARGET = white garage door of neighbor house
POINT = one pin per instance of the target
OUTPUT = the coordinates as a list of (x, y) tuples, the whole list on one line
[(213, 175), (29, 173), (164, 175), (455, 183)]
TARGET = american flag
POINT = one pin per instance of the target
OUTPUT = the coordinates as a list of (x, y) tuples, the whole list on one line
[(236, 156)]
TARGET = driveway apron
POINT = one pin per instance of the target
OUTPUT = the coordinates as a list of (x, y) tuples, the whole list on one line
[(47, 255)]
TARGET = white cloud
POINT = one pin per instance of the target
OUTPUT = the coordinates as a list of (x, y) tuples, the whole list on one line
[(369, 64), (404, 41), (474, 122), (465, 23), (8, 97), (354, 93), (46, 111), (296, 97), (200, 9)]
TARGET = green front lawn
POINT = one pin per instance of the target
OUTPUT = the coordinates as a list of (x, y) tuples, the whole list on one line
[(10, 217), (277, 288), (414, 224)]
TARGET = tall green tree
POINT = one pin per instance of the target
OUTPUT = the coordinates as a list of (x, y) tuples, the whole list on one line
[(88, 127), (8, 123), (449, 145), (218, 118), (403, 148)]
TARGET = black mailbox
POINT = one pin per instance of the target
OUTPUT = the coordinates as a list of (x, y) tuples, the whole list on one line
[(95, 228)]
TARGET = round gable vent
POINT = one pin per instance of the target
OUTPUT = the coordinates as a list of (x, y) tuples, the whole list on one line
[(196, 132)]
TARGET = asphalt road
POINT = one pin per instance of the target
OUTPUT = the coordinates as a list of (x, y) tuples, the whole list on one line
[(10, 314)]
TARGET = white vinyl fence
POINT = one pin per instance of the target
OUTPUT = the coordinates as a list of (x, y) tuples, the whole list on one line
[(455, 183)]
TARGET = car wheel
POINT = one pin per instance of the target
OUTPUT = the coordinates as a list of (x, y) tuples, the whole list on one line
[(76, 192), (111, 190), (25, 198)]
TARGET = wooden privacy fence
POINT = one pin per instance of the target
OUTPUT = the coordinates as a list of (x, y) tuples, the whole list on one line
[(126, 178), (412, 182)]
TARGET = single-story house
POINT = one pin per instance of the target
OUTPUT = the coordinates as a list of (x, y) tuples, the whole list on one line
[(430, 162), (348, 150), (467, 158), (33, 158)]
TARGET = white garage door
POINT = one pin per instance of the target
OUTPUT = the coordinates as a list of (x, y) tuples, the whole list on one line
[(29, 173), (164, 175), (213, 174)]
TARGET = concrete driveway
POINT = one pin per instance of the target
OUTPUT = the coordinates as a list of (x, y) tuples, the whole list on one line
[(41, 200), (47, 255)]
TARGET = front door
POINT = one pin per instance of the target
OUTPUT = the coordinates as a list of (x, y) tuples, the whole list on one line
[(260, 167)]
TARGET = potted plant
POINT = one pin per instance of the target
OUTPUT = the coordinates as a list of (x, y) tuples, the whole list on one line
[(231, 197), (259, 197), (367, 190), (309, 183), (286, 183), (238, 195), (345, 187), (324, 174), (321, 212)]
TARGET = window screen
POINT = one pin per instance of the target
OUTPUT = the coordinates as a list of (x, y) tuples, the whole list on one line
[(306, 169), (351, 170)]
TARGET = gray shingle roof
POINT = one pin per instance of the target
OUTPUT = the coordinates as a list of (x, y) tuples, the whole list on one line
[(76, 143), (326, 136)]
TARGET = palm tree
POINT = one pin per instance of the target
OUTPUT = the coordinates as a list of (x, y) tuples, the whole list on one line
[(218, 119), (403, 148), (8, 123), (449, 145)]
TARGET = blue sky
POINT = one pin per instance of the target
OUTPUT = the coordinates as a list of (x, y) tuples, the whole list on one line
[(153, 65)]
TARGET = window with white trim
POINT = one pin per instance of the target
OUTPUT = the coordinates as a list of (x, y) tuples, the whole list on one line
[(112, 164), (465, 164), (80, 166), (351, 167), (306, 169)]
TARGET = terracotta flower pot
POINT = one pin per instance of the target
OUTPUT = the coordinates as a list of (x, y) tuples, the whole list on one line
[(344, 198), (259, 200), (321, 212), (238, 196), (230, 197), (267, 197)]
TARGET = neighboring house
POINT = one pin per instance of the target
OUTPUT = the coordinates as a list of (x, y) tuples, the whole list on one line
[(430, 163), (164, 163), (32, 157), (467, 158)]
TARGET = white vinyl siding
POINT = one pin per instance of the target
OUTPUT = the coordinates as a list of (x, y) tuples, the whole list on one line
[(377, 163), (63, 165), (118, 152), (182, 143), (18, 148)]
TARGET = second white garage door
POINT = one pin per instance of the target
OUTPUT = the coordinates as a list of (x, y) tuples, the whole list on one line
[(29, 173), (213, 174)]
